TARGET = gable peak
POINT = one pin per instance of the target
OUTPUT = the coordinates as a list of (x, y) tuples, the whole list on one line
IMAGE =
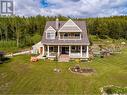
[(50, 28)]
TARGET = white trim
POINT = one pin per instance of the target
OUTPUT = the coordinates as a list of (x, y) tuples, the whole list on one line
[(69, 39), (58, 50), (87, 51), (81, 50), (48, 51), (52, 31), (70, 25), (50, 38), (51, 56), (50, 28), (69, 50), (80, 36), (43, 50)]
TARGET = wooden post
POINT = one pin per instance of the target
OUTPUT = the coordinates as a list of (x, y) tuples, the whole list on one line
[(87, 51), (80, 36), (48, 51), (81, 50), (69, 50), (58, 50)]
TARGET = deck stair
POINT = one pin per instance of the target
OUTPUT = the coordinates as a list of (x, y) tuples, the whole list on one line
[(64, 58)]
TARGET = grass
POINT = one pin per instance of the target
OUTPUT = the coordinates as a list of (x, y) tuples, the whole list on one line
[(19, 76), (10, 47)]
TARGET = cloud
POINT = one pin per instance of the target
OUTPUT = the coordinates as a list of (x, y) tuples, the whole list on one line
[(27, 7), (74, 8)]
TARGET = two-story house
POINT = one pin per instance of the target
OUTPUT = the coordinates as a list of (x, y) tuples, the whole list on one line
[(65, 40)]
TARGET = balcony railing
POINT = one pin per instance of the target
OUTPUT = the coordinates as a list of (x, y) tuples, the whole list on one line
[(70, 37)]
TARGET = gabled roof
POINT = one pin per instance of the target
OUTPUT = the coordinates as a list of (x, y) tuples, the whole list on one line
[(80, 24), (50, 29), (70, 26), (56, 41), (38, 44)]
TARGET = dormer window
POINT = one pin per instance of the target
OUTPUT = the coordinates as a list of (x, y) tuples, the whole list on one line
[(50, 33)]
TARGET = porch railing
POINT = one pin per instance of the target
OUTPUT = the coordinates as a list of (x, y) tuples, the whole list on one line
[(78, 55)]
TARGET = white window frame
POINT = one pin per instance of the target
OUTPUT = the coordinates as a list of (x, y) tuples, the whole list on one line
[(52, 31), (52, 35)]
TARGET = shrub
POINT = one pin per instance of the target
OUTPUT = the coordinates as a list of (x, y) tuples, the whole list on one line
[(115, 90), (77, 60)]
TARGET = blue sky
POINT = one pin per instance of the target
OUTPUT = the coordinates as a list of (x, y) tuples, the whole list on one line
[(44, 3), (74, 8)]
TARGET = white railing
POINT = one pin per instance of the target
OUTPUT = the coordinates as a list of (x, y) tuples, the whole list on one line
[(78, 55), (70, 37), (52, 54), (75, 55), (84, 55)]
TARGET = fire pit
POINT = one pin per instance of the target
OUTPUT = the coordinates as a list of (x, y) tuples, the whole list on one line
[(78, 70)]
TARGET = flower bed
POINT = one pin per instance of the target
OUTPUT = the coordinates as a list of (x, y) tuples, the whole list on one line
[(114, 90)]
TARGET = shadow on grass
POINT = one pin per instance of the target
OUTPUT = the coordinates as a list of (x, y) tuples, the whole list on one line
[(5, 60)]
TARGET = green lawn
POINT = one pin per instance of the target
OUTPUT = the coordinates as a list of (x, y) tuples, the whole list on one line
[(19, 76)]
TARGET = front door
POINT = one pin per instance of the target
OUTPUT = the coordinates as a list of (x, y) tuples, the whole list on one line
[(41, 50), (65, 50)]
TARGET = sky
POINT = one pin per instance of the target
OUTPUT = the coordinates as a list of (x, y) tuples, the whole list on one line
[(72, 8)]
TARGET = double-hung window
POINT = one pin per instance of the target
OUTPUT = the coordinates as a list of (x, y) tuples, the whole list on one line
[(50, 35)]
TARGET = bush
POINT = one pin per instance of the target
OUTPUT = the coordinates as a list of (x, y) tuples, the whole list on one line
[(77, 60), (115, 90)]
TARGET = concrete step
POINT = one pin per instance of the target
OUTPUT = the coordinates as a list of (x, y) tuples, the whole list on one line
[(64, 58)]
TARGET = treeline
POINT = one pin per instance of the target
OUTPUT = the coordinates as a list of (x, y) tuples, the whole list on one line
[(111, 27), (23, 31), (26, 31)]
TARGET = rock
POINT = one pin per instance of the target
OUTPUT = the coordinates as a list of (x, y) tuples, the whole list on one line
[(34, 59), (76, 70), (57, 70), (77, 67), (123, 43)]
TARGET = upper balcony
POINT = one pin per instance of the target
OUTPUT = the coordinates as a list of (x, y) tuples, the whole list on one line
[(70, 36)]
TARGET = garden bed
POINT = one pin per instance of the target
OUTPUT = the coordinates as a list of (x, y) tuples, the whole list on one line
[(108, 90)]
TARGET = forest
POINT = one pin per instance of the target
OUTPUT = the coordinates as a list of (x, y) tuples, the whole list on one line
[(22, 32)]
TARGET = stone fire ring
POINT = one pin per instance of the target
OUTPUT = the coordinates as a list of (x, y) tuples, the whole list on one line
[(83, 73)]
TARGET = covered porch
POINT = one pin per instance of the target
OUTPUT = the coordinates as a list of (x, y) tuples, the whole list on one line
[(73, 51)]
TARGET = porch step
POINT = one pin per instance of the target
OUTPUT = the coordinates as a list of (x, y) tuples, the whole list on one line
[(64, 58), (40, 56)]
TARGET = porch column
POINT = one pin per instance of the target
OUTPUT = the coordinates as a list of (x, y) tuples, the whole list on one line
[(81, 50), (43, 50), (58, 50), (69, 50), (87, 51), (48, 51), (80, 36)]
